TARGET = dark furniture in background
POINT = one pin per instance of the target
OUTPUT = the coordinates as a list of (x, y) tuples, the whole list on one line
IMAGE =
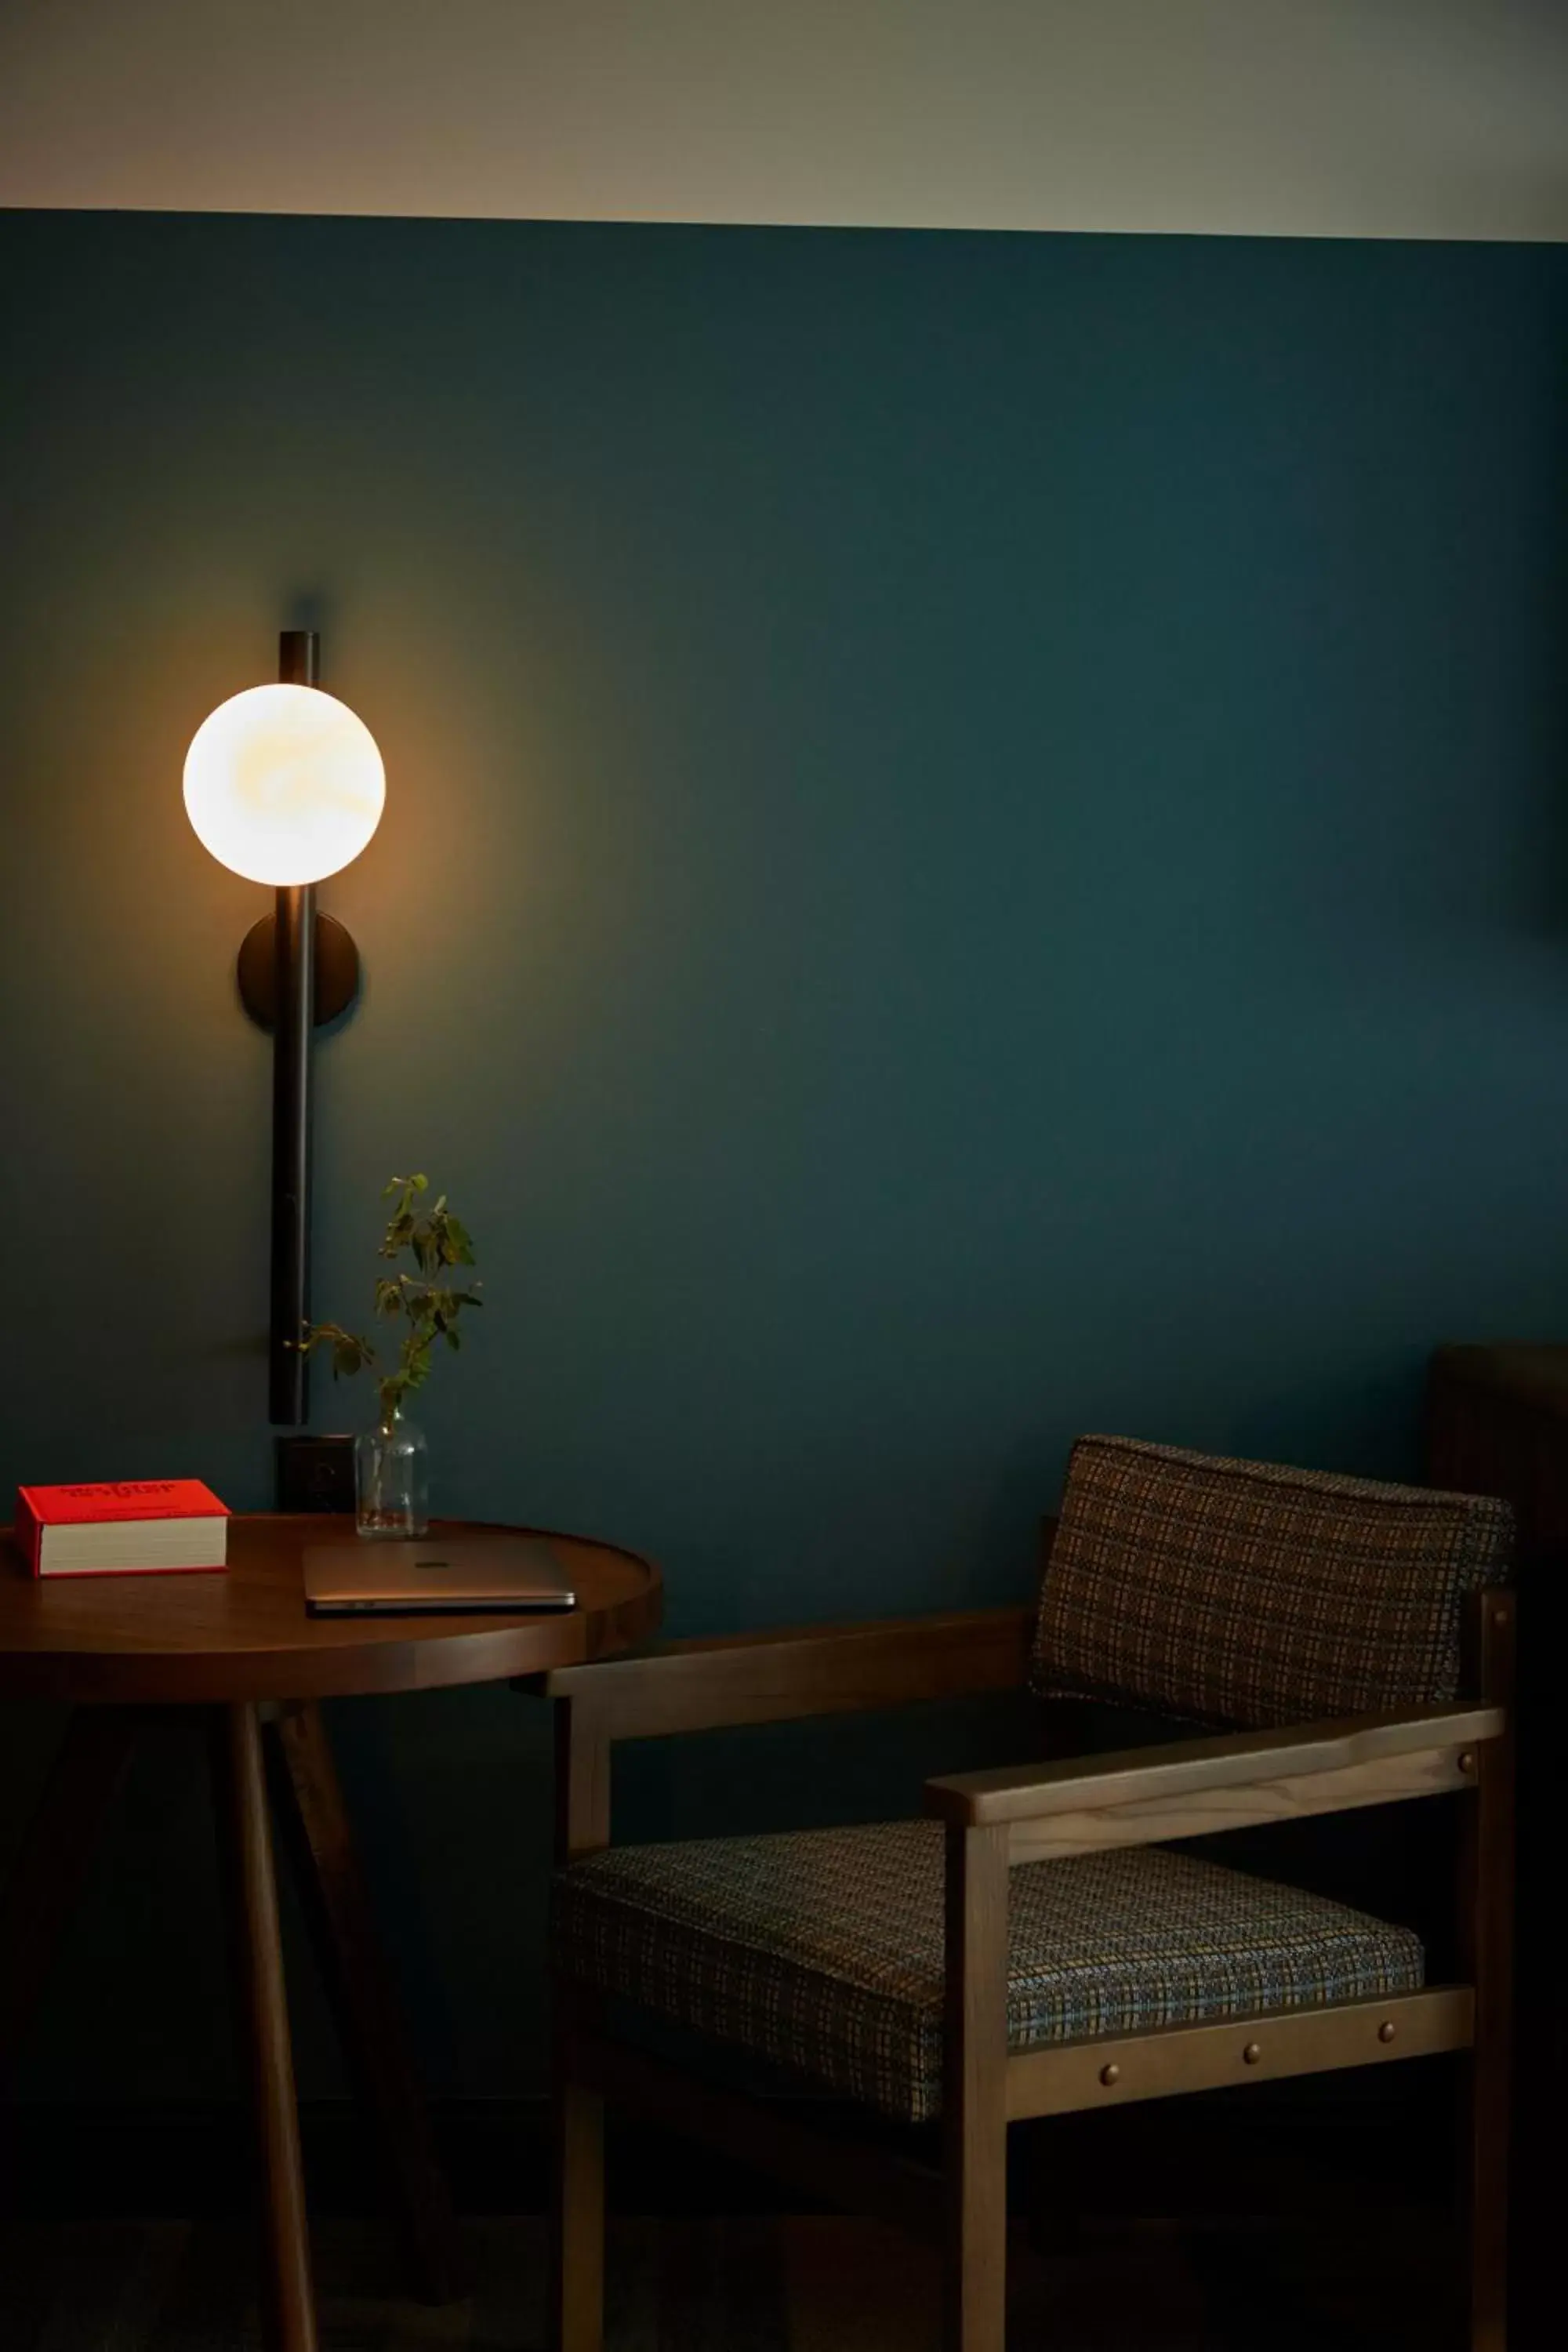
[(909, 1969), (1496, 1423), (235, 1654)]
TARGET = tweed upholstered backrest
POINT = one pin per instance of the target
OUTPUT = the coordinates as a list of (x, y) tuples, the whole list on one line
[(1244, 1593)]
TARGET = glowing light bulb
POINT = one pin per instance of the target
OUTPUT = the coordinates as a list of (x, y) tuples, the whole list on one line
[(284, 784)]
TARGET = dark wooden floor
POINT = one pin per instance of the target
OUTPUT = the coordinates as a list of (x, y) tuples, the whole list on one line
[(1241, 2223), (812, 2283)]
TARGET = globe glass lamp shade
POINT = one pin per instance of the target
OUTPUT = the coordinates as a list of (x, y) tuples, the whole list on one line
[(284, 784)]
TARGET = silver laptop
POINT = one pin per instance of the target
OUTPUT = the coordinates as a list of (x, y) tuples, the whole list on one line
[(439, 1576)]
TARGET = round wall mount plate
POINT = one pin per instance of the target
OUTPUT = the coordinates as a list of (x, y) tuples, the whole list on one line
[(337, 971)]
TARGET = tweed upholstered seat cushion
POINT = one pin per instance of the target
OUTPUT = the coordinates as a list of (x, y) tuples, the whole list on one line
[(1244, 1593), (822, 1950)]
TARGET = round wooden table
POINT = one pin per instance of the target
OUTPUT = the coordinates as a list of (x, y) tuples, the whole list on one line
[(234, 1650)]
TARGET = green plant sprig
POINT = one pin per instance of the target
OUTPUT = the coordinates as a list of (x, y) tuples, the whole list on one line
[(437, 1241)]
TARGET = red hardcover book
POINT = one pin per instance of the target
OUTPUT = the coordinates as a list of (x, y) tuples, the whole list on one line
[(129, 1527)]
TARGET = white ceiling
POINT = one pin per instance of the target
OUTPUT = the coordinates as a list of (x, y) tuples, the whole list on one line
[(1333, 117)]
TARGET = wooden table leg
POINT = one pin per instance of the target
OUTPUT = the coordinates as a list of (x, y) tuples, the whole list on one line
[(245, 1836), (46, 1876), (576, 2321), (315, 1826)]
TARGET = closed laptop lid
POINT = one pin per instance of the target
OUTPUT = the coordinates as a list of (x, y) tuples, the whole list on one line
[(437, 1575)]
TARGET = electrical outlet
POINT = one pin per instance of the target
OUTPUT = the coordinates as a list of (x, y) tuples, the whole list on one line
[(315, 1474)]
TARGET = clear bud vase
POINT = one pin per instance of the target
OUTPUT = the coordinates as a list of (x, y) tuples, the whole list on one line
[(392, 1479)]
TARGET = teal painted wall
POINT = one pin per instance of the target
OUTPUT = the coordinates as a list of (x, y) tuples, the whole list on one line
[(976, 847)]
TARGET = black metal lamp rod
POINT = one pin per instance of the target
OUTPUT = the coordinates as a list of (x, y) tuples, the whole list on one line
[(288, 1386)]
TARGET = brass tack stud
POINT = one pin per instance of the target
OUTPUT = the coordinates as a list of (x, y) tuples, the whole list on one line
[(1387, 2030), (1109, 2077), (1251, 2054), (1468, 1760)]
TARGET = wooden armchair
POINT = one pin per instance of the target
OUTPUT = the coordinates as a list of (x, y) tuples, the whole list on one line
[(1032, 1946)]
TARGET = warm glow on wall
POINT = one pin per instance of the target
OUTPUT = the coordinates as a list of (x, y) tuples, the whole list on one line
[(284, 784)]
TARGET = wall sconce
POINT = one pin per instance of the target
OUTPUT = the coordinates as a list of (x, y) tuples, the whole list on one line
[(285, 785)]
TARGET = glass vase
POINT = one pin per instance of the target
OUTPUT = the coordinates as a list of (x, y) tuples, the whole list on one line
[(392, 1479)]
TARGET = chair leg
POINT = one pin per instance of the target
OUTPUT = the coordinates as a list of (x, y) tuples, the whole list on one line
[(1487, 2198), (974, 2096), (975, 2267), (577, 2210), (1486, 1881)]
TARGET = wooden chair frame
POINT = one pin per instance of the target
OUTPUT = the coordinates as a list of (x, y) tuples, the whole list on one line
[(993, 1821)]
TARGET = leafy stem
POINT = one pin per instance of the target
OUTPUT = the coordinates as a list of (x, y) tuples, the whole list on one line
[(427, 1301)]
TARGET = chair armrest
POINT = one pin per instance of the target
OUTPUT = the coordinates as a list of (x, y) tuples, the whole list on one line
[(1194, 1787), (775, 1677)]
